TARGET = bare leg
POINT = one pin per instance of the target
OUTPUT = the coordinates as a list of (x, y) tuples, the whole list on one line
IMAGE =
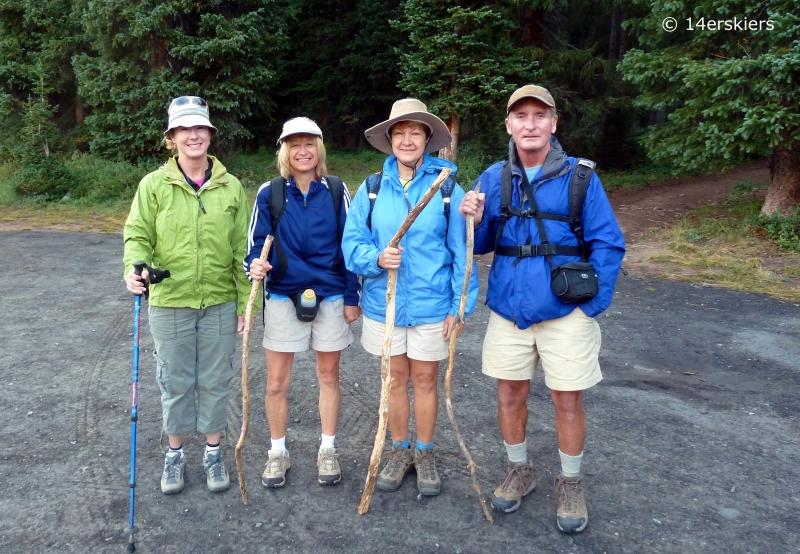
[(399, 404), (426, 399), (570, 421), (279, 374), (512, 409), (329, 395)]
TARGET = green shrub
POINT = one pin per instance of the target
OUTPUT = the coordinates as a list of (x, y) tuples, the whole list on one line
[(47, 178), (783, 230), (100, 180)]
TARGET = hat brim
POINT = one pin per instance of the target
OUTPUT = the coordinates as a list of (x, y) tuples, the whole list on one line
[(440, 137), (189, 120)]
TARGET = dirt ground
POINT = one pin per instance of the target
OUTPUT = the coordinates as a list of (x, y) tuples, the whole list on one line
[(692, 447)]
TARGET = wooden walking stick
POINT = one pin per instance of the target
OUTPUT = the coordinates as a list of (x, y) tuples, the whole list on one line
[(245, 360), (448, 379), (391, 284)]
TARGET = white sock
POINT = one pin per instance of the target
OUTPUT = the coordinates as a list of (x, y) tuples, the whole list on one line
[(327, 441), (517, 453), (174, 451), (279, 444), (212, 449), (570, 465)]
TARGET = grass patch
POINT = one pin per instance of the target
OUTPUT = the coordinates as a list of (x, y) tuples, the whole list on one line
[(727, 245), (614, 180)]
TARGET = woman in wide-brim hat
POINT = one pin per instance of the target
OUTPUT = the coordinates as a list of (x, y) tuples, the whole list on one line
[(430, 261), (190, 217), (305, 256)]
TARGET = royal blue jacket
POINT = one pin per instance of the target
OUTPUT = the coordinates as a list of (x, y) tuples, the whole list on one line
[(431, 272), (520, 292), (309, 238)]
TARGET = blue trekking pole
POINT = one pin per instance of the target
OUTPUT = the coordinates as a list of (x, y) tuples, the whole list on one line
[(154, 277)]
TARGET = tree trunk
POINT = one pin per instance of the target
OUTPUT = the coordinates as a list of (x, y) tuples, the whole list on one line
[(79, 113), (783, 195), (613, 41), (449, 153)]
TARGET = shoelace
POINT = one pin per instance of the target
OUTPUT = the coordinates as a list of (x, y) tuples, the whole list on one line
[(425, 464), (396, 462), (215, 465), (569, 492), (172, 467), (274, 465), (329, 461), (513, 480)]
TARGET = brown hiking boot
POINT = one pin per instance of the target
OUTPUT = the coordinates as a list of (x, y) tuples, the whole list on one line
[(518, 483), (571, 514), (428, 482), (328, 465), (398, 463)]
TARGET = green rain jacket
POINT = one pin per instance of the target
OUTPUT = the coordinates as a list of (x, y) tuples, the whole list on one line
[(201, 238)]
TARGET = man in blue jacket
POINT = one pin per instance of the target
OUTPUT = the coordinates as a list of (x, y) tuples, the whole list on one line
[(528, 322)]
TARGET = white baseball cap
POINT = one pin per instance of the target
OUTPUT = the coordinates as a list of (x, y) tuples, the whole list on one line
[(299, 125), (188, 111)]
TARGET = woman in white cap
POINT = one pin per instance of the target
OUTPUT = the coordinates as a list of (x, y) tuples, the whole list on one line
[(430, 262), (190, 217), (311, 298)]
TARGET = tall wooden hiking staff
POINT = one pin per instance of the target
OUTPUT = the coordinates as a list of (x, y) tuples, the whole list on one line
[(448, 379), (391, 284), (245, 359)]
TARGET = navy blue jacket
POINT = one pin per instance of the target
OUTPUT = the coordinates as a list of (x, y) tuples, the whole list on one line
[(310, 240), (521, 292)]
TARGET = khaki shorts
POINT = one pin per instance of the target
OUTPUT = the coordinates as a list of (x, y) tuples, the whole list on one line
[(568, 347), (423, 342), (283, 332)]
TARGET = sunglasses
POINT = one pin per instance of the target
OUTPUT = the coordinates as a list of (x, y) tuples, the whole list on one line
[(183, 100)]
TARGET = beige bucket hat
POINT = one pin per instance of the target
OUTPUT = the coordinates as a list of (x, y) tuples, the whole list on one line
[(409, 109)]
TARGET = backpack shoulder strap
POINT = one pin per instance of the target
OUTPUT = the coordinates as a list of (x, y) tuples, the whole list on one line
[(336, 188), (373, 188), (505, 200), (277, 205), (447, 191), (578, 185)]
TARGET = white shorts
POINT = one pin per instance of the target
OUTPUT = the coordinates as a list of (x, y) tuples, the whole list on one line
[(569, 348), (283, 332), (423, 342)]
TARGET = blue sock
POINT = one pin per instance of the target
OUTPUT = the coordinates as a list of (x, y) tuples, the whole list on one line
[(422, 446), (402, 444)]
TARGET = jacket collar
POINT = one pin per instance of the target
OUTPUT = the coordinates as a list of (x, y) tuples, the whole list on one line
[(429, 164), (219, 175), (553, 162)]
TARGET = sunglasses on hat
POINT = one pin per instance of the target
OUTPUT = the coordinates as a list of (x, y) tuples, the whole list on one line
[(183, 100)]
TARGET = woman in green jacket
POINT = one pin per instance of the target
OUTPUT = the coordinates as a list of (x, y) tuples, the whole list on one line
[(190, 217)]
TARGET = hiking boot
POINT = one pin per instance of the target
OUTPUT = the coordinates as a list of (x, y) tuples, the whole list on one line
[(274, 475), (571, 514), (428, 481), (217, 477), (328, 465), (518, 483), (172, 476), (397, 464)]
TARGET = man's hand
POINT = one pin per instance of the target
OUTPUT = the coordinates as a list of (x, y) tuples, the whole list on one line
[(240, 323), (259, 269), (449, 323), (351, 313), (390, 258), (473, 205), (136, 283)]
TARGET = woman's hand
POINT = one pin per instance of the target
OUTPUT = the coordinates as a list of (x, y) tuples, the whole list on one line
[(390, 258), (351, 313), (449, 323), (136, 283), (240, 323), (472, 204), (259, 269)]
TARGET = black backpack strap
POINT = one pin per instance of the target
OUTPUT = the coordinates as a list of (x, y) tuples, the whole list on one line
[(373, 188), (336, 188), (505, 200), (578, 185), (446, 192), (277, 205)]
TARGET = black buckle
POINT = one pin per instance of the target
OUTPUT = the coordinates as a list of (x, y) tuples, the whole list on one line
[(525, 250)]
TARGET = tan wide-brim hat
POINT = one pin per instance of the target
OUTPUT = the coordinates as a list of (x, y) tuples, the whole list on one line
[(409, 109)]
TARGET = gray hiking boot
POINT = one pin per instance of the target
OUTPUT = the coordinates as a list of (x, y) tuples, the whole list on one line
[(518, 483), (328, 465), (398, 463), (217, 477), (278, 464), (571, 514), (172, 476), (428, 481)]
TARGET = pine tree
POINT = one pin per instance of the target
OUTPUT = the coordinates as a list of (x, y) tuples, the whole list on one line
[(729, 95), (147, 52)]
